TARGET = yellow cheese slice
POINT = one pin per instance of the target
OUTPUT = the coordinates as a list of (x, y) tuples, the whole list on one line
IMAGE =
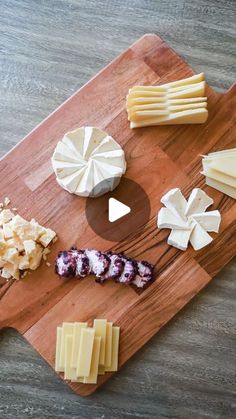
[(221, 187), (58, 349), (67, 329), (76, 342), (226, 165), (108, 346), (85, 352), (196, 90), (115, 349), (222, 153), (92, 378), (191, 116), (100, 330), (70, 373), (220, 177), (184, 82), (188, 80), (135, 115)]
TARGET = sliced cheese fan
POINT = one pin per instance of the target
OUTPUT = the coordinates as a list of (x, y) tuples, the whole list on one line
[(88, 162), (188, 220), (178, 102)]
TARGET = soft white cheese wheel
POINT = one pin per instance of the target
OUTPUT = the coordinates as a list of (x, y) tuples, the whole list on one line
[(88, 162)]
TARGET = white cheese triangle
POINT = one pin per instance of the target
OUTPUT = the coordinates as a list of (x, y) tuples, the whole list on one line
[(199, 238), (198, 201), (176, 202), (179, 238), (166, 219), (210, 220)]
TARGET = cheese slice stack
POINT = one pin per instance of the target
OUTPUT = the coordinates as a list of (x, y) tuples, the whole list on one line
[(83, 353), (178, 102), (220, 171), (88, 162)]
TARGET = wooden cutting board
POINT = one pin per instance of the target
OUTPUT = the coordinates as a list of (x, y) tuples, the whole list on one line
[(159, 158)]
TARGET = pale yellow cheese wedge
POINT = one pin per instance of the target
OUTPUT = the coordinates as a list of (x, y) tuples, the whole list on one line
[(221, 187), (67, 329), (100, 327), (58, 349), (92, 378), (115, 349), (108, 347), (76, 342), (192, 116), (70, 373), (85, 352)]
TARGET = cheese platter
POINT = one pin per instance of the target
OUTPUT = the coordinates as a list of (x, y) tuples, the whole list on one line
[(158, 275)]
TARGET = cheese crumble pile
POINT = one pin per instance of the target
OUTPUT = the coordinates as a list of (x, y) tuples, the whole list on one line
[(23, 244)]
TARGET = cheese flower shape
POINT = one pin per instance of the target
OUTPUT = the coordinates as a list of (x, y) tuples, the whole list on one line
[(88, 162), (188, 220)]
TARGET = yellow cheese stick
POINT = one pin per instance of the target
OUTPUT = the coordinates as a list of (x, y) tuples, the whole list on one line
[(100, 326), (145, 100), (197, 90), (92, 378), (85, 352), (167, 92), (189, 80), (192, 116), (151, 113), (76, 342), (185, 103), (70, 373), (144, 93), (108, 348), (115, 349), (164, 101), (67, 329), (58, 349)]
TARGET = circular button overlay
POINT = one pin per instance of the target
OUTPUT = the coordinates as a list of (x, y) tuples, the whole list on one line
[(127, 198)]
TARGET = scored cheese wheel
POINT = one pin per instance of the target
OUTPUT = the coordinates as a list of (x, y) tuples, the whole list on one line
[(88, 162)]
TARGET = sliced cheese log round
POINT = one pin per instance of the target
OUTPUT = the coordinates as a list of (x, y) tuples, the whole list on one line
[(86, 157), (145, 274)]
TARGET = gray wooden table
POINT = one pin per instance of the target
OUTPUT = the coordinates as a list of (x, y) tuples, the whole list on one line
[(48, 49)]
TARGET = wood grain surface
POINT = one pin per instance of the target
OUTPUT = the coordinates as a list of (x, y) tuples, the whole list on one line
[(220, 408)]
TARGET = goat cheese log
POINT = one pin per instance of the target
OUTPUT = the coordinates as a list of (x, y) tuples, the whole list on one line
[(80, 263)]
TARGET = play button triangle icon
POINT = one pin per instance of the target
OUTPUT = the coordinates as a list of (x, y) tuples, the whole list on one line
[(117, 210)]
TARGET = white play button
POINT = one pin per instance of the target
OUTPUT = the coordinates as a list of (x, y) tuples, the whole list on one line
[(116, 209)]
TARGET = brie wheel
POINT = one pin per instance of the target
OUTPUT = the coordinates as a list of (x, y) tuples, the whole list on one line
[(88, 162)]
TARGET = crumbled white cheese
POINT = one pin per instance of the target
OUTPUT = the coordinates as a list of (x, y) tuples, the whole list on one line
[(23, 244), (6, 201)]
